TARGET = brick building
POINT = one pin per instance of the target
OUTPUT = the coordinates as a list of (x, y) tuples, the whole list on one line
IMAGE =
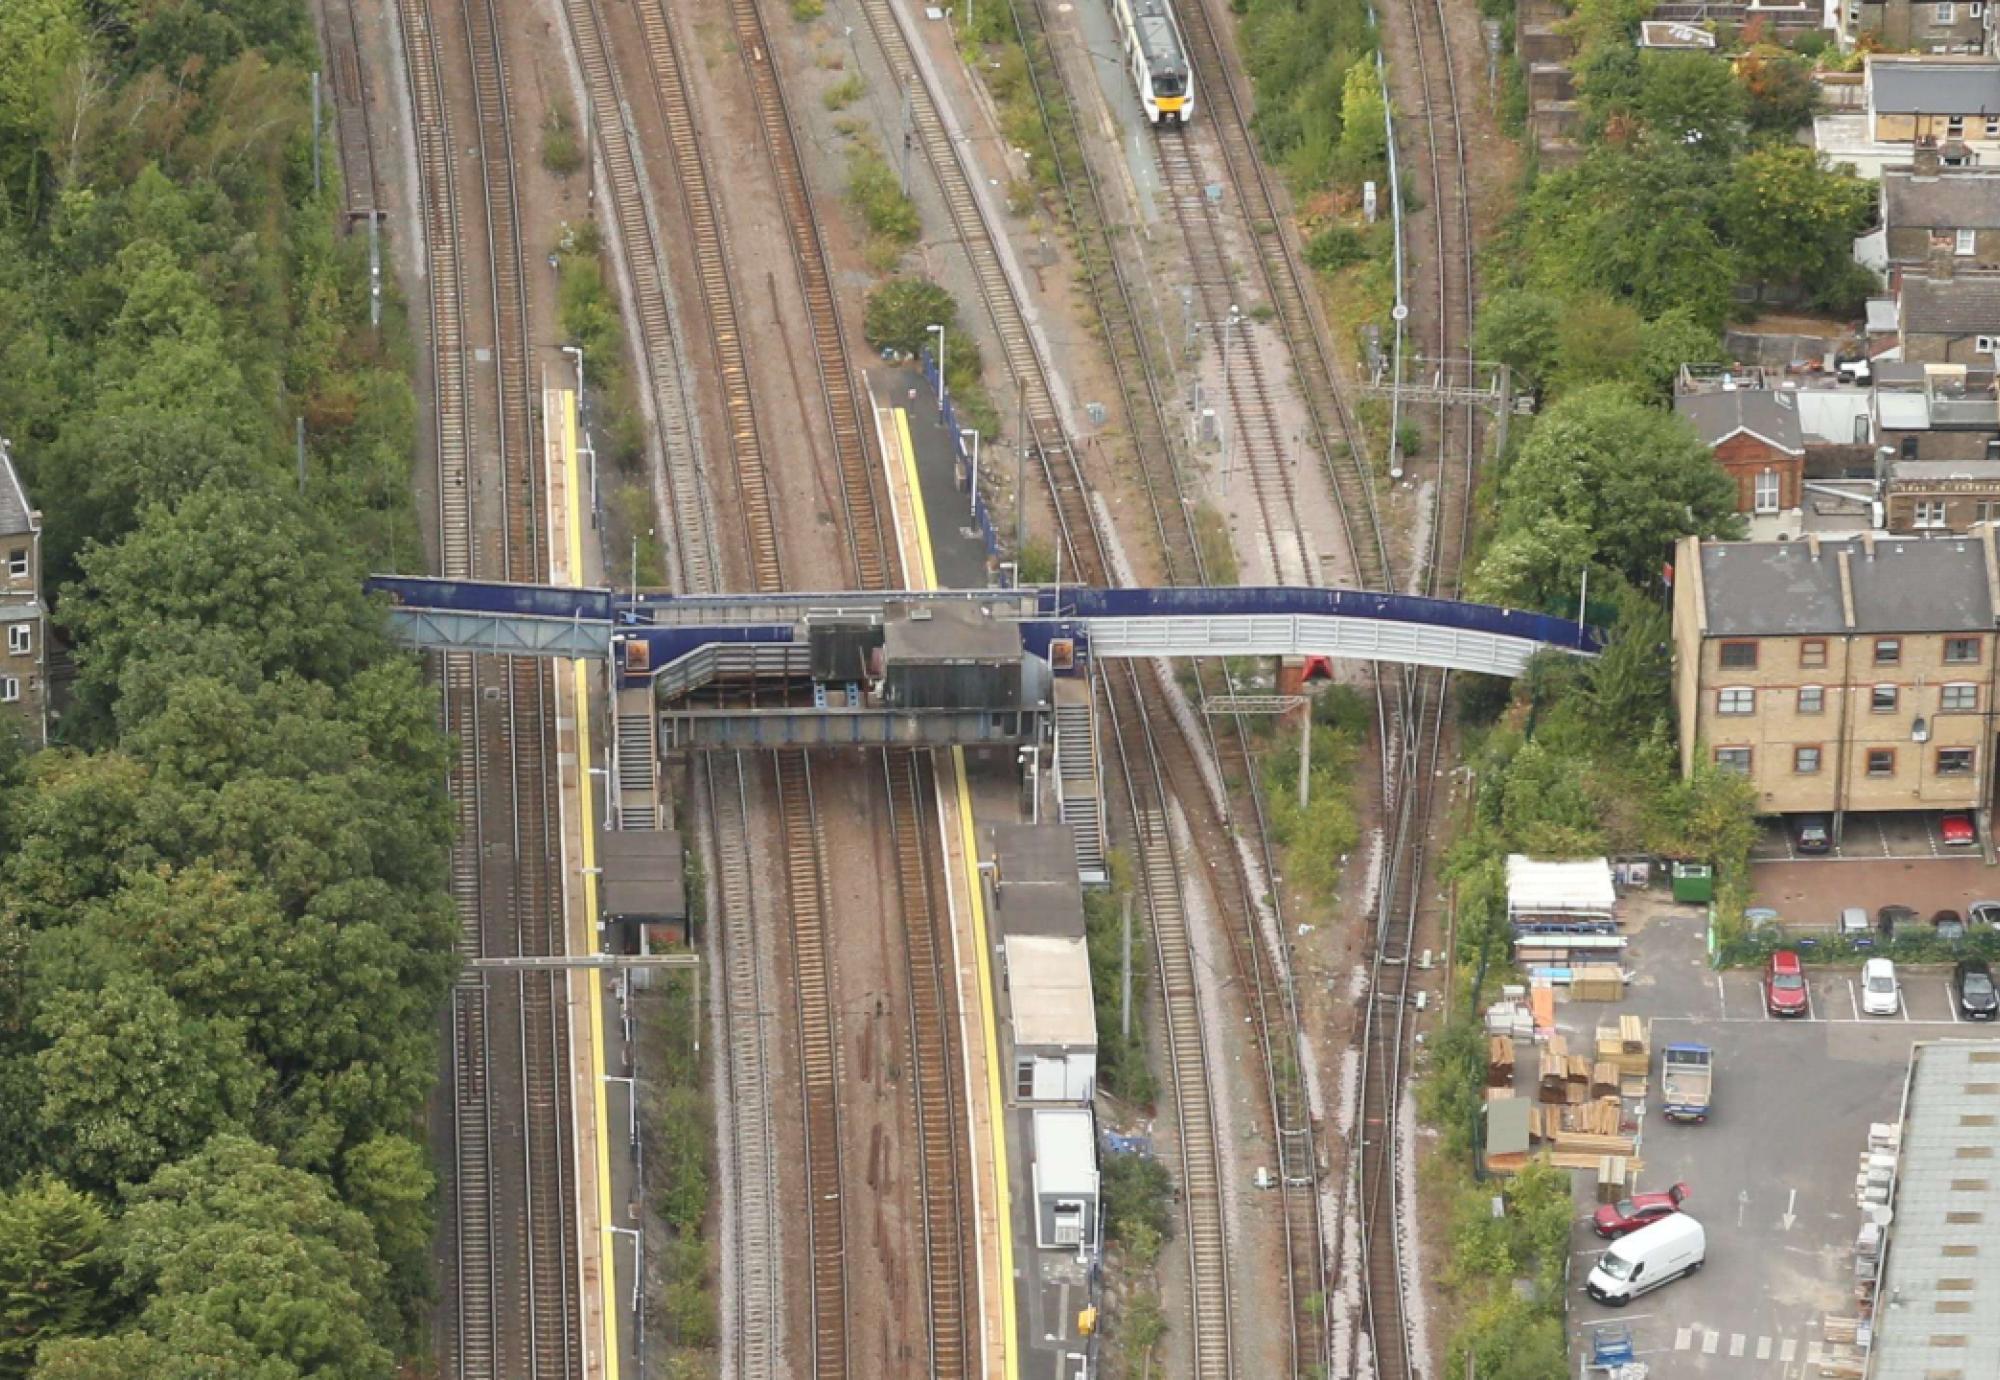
[(1930, 211), (1931, 26), (1940, 99), (23, 675), (1841, 676), (1753, 431), (1947, 317)]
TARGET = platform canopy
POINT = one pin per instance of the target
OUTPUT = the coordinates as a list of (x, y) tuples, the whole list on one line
[(1579, 887)]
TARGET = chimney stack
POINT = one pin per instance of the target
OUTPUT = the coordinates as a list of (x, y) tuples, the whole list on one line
[(1926, 159)]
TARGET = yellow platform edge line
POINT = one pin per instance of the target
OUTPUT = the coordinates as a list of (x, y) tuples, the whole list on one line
[(579, 668), (969, 843)]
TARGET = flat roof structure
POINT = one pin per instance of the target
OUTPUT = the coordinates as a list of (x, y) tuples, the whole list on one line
[(1937, 1316), (642, 874), (1033, 885), (1048, 990), (951, 634), (1065, 1151)]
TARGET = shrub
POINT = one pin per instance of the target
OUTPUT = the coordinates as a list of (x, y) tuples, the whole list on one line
[(844, 92), (560, 154)]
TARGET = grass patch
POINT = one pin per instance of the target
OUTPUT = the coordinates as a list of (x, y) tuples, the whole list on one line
[(844, 92), (680, 1183), (1211, 538), (561, 152), (633, 532), (875, 191), (1122, 1070), (805, 11)]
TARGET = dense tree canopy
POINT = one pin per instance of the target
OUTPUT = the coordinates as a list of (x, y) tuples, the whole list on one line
[(224, 934)]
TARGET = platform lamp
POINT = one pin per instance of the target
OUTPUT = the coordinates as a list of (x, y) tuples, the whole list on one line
[(940, 361)]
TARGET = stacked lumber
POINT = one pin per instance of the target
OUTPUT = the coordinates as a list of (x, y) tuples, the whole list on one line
[(1499, 1061), (1612, 1177), (1597, 982), (1626, 1046), (1579, 1127), (1605, 1080)]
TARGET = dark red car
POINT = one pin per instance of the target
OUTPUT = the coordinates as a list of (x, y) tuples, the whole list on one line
[(1784, 985), (1614, 1220)]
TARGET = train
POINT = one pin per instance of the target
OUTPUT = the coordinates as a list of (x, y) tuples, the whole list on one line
[(1157, 60)]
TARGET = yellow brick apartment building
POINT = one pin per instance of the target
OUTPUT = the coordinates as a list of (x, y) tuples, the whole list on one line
[(1841, 676)]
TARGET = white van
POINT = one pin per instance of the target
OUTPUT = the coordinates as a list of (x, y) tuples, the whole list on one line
[(1649, 1257)]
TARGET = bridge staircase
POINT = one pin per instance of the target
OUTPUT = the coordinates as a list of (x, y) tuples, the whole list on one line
[(1079, 798), (635, 761)]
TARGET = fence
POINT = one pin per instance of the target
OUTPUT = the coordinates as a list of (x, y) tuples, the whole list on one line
[(982, 517)]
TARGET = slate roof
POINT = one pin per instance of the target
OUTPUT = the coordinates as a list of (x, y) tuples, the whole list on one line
[(16, 514), (1933, 88), (1955, 199), (1911, 584), (1961, 305), (1771, 416)]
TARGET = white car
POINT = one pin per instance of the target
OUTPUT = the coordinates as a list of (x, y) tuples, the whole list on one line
[(1879, 994)]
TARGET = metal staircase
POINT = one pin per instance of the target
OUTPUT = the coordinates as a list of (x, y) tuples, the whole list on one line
[(1078, 798), (635, 761)]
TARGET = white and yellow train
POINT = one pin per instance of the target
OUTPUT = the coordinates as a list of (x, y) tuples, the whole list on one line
[(1157, 60)]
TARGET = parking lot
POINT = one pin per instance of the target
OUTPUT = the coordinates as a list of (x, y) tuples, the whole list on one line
[(1771, 1173), (1905, 834)]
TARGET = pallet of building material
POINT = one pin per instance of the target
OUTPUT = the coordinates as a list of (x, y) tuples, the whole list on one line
[(1512, 1162), (1499, 1061), (1611, 1048), (1633, 1085), (1576, 1069), (1597, 982), (1839, 1330), (1632, 1034), (1611, 1176), (1601, 1117), (1593, 1143), (1588, 1160), (1498, 1094), (1604, 1079)]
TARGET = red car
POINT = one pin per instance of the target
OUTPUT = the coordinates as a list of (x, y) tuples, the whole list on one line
[(1957, 830), (1784, 985), (1614, 1220)]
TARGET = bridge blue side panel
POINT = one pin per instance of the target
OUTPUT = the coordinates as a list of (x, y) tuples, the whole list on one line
[(1348, 603), (495, 597)]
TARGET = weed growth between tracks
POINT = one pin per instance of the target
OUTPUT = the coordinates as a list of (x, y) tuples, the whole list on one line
[(679, 1184)]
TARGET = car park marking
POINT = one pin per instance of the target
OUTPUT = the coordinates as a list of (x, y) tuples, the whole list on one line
[(1902, 1007), (1736, 1340), (1710, 1340), (1763, 1348), (1683, 1338), (1853, 1000), (1722, 995), (1788, 1350)]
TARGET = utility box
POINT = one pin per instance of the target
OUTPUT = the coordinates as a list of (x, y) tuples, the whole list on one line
[(1694, 883)]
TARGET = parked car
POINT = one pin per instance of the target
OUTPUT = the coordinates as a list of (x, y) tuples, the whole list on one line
[(1785, 984), (1880, 993), (1986, 913), (1978, 999), (1956, 828), (1854, 927), (1810, 834), (1614, 1220), (1950, 926), (1655, 1255), (1889, 919)]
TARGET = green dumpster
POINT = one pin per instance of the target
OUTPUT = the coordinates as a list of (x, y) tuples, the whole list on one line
[(1694, 882)]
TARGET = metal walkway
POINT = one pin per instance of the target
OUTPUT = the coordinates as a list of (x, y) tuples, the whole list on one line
[(1064, 625)]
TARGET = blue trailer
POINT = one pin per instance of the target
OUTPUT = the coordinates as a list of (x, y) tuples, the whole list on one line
[(1687, 1078)]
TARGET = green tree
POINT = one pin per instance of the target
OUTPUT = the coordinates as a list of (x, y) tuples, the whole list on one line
[(1517, 327), (1690, 99), (39, 39), (1791, 218), (898, 314), (54, 1273), (389, 1180), (1364, 134), (1598, 340), (1666, 343), (1630, 681), (233, 1251), (129, 1079), (1779, 87), (1631, 476)]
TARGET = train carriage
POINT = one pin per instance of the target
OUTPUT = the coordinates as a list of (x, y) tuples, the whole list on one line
[(1157, 60)]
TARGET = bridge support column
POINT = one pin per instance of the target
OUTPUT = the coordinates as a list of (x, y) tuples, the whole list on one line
[(1291, 675)]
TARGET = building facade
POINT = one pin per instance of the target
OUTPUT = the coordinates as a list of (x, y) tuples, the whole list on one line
[(1943, 100), (1928, 26), (1752, 429), (24, 665), (1948, 317), (1841, 677), (1930, 211)]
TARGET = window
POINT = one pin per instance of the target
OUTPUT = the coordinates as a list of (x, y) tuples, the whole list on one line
[(1986, 344), (1930, 513), (1992, 121), (1812, 699), (1954, 762), (1888, 651), (1961, 651), (1733, 759), (1882, 699), (1805, 760), (1739, 656), (1977, 10), (17, 563), (1963, 243), (1954, 125), (1881, 761), (1959, 699), (1736, 699), (1024, 1078), (20, 638), (1812, 652), (1945, 14), (10, 689), (1765, 499), (1988, 508), (1068, 1223)]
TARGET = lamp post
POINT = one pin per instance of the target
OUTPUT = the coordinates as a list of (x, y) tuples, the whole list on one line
[(575, 352), (972, 489), (940, 362)]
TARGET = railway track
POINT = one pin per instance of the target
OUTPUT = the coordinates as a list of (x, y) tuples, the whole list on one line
[(516, 1276), (340, 32), (1379, 1180)]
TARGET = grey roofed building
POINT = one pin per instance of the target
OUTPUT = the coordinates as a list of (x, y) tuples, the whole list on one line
[(1937, 1312), (1933, 88), (1900, 585), (1770, 416), (1960, 305), (1955, 198), (16, 516)]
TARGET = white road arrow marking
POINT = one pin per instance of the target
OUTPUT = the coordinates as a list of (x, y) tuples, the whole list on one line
[(1791, 1201)]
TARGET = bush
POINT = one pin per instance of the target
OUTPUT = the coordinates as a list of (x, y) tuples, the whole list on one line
[(1335, 247), (560, 154), (898, 315), (874, 189), (844, 92), (1137, 1194)]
